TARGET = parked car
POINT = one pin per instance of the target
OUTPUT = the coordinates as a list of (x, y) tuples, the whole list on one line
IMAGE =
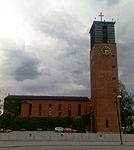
[(58, 129), (69, 130)]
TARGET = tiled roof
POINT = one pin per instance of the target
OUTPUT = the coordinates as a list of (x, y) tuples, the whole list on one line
[(35, 97)]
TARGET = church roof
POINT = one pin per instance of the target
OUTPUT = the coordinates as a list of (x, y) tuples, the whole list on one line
[(35, 97)]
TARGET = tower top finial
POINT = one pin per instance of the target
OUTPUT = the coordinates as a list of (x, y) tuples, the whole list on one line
[(101, 16)]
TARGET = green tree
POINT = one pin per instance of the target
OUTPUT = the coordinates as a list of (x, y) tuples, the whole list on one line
[(127, 106), (80, 122), (12, 106)]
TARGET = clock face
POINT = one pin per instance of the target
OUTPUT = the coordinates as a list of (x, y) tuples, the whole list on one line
[(106, 50)]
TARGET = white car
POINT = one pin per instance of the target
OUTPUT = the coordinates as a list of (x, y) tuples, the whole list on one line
[(58, 129), (69, 130)]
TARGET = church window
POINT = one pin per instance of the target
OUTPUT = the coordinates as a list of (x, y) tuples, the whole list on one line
[(59, 114), (49, 109), (19, 109), (40, 109), (113, 66), (59, 109), (69, 110), (49, 106), (107, 125), (104, 32), (79, 109), (30, 110), (114, 78)]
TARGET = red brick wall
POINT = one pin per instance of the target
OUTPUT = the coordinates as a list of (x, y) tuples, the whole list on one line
[(104, 89), (85, 108)]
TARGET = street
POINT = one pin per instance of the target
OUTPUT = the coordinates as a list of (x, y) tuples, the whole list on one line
[(64, 145), (92, 147)]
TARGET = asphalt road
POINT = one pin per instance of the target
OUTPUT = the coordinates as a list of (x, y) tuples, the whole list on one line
[(64, 145), (92, 147)]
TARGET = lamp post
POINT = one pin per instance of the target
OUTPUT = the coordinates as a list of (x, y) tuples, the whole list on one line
[(118, 117)]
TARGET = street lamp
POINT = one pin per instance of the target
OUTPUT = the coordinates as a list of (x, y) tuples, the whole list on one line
[(118, 116)]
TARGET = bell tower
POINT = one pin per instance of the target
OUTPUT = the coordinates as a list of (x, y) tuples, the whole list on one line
[(104, 76)]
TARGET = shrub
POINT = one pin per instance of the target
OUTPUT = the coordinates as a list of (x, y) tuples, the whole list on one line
[(129, 131), (16, 123)]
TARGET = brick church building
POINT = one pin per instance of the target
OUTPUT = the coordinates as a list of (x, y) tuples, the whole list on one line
[(104, 87), (51, 106)]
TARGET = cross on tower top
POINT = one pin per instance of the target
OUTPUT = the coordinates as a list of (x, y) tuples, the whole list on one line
[(101, 16)]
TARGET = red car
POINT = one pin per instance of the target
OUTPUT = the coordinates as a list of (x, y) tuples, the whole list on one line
[(69, 130)]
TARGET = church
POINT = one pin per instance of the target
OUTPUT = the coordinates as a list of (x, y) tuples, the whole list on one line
[(104, 86)]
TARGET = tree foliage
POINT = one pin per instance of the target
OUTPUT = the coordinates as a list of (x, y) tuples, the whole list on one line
[(33, 123), (12, 106), (127, 106), (80, 122)]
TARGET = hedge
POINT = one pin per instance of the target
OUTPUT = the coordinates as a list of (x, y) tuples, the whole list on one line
[(16, 123)]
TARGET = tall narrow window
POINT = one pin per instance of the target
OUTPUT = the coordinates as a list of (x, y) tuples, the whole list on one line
[(19, 109), (49, 110), (40, 109), (104, 32), (59, 109), (59, 113), (69, 110), (113, 66), (107, 124), (30, 110), (79, 109), (114, 78)]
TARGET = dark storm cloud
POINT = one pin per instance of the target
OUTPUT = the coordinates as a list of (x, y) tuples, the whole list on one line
[(19, 65), (27, 70)]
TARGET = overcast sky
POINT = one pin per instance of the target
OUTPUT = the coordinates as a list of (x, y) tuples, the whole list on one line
[(44, 45)]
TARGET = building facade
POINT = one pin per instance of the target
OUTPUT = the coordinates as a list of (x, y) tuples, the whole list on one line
[(51, 106)]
